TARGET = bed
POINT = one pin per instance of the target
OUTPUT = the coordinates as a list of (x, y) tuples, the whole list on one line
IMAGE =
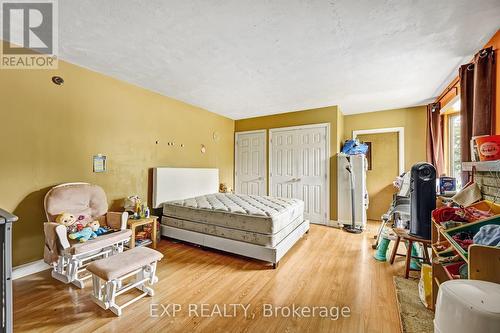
[(259, 227)]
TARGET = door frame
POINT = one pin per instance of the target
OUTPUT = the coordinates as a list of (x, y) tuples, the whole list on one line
[(327, 161), (401, 141), (236, 137)]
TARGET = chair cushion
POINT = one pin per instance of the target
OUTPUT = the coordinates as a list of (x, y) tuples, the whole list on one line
[(76, 199), (100, 242), (123, 263)]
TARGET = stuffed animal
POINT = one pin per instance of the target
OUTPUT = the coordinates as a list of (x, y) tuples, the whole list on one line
[(102, 231), (84, 220), (89, 232), (69, 221), (96, 227)]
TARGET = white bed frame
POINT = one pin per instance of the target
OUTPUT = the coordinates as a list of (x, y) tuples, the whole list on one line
[(182, 183)]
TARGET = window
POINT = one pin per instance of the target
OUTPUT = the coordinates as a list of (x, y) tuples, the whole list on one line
[(455, 164)]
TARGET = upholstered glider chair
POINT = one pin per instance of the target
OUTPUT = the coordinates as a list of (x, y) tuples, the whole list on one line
[(70, 257)]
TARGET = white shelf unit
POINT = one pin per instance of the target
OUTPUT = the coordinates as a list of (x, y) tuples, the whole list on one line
[(482, 166)]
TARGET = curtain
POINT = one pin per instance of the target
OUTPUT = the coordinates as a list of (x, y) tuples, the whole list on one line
[(466, 75), (477, 114), (483, 121), (435, 154)]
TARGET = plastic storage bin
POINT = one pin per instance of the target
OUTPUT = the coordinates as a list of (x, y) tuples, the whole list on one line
[(468, 306), (488, 147)]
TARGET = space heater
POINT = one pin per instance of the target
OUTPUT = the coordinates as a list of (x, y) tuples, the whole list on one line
[(6, 220), (422, 199)]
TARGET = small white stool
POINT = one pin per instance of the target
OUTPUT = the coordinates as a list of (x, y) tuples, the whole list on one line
[(468, 306), (109, 273)]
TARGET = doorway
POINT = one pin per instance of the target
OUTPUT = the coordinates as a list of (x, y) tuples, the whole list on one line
[(250, 163), (383, 168), (299, 167)]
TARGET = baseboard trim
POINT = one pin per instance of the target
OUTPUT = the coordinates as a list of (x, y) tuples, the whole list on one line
[(29, 268)]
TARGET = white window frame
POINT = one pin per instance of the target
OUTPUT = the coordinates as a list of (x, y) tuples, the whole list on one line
[(451, 145)]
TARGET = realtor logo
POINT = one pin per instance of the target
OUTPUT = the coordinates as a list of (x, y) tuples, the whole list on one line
[(29, 34)]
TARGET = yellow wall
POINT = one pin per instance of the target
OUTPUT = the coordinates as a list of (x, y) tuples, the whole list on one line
[(306, 117), (412, 119), (384, 168), (49, 134), (340, 130)]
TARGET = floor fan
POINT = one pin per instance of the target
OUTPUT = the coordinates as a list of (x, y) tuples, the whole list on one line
[(352, 228)]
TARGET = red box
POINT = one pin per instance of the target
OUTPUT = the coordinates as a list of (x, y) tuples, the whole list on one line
[(488, 147)]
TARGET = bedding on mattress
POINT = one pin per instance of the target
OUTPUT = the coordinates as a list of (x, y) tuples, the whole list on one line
[(250, 213)]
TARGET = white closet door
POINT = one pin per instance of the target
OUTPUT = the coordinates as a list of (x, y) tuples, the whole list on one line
[(299, 168), (283, 164), (250, 170), (312, 172)]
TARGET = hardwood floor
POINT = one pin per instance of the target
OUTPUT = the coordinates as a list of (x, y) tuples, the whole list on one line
[(327, 268)]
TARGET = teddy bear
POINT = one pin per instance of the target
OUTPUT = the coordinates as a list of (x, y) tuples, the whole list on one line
[(88, 232)]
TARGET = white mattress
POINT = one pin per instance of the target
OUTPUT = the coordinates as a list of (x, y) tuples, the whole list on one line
[(268, 240), (259, 214)]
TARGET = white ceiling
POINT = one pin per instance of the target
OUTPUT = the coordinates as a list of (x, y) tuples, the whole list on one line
[(250, 58)]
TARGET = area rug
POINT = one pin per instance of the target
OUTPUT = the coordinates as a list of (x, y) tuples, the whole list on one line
[(415, 317)]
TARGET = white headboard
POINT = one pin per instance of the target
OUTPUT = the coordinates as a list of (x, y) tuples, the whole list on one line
[(182, 183)]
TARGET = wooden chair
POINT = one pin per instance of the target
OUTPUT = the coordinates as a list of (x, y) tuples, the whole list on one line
[(402, 234)]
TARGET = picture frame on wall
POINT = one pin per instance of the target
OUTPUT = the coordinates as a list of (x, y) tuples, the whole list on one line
[(99, 163)]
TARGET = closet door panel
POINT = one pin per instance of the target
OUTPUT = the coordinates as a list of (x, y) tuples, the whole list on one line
[(312, 172), (283, 165), (299, 167)]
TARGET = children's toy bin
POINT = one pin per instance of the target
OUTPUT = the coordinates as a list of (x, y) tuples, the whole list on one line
[(488, 147), (472, 227), (467, 306)]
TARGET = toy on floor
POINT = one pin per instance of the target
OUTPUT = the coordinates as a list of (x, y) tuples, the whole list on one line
[(383, 246), (89, 232), (414, 263)]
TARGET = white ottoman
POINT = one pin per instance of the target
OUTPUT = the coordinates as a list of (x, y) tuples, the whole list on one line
[(109, 273), (468, 306)]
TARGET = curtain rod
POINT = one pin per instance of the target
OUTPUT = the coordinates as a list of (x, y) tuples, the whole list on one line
[(453, 84)]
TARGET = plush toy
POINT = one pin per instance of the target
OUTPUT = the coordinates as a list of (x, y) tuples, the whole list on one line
[(89, 232), (66, 219), (103, 230), (84, 220), (97, 228), (69, 221)]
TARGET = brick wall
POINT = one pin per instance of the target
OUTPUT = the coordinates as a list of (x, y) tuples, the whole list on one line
[(490, 185)]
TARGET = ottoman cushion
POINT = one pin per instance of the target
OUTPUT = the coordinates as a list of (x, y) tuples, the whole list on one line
[(123, 263)]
